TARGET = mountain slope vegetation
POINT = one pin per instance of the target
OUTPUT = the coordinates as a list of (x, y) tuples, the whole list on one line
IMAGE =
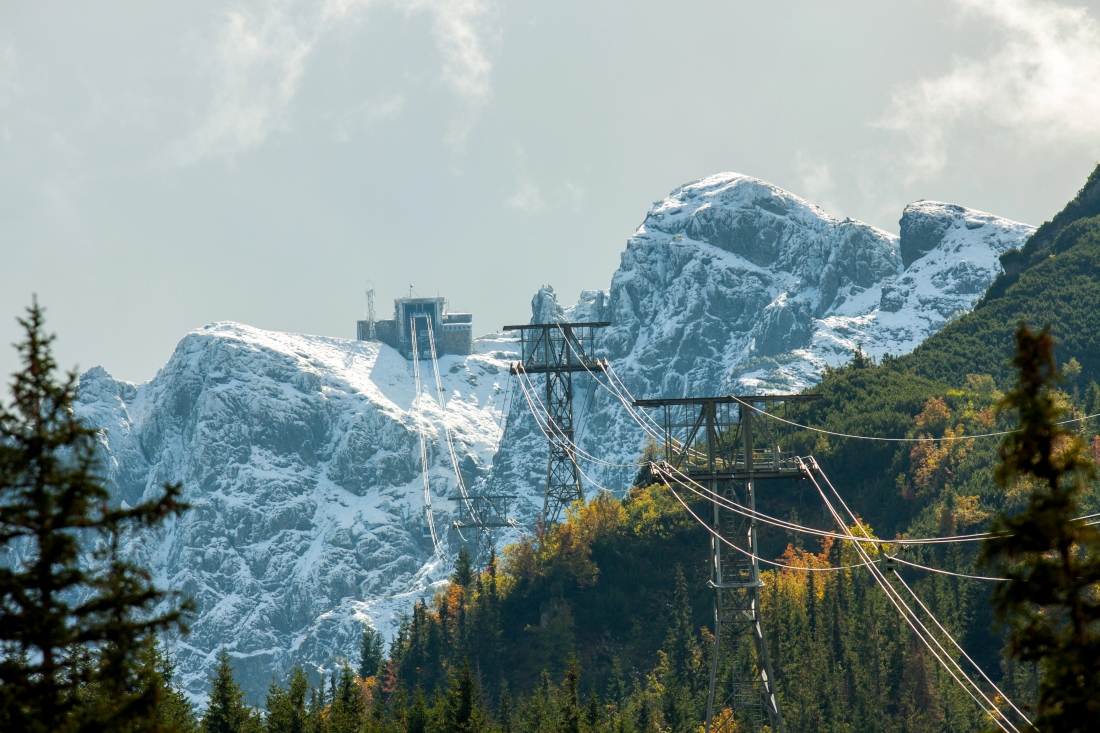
[(1052, 281)]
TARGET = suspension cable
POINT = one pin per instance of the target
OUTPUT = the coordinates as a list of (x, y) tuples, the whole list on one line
[(745, 552), (784, 524), (446, 430), (653, 430), (423, 442), (928, 439), (899, 603), (533, 397), (949, 572), (959, 647)]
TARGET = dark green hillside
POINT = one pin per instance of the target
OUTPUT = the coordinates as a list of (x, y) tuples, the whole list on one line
[(600, 624), (603, 586), (1054, 279)]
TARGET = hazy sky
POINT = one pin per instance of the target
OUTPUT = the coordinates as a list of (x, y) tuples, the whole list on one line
[(165, 165)]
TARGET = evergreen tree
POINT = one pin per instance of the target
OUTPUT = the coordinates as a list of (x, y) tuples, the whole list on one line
[(464, 569), (569, 710), (462, 712), (316, 719), (486, 632), (174, 711), (505, 709), (286, 707), (371, 652), (417, 719), (1051, 603), (681, 642), (593, 714), (348, 707), (227, 712), (73, 634)]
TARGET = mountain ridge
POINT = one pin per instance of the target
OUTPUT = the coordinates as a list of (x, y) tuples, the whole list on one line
[(300, 453)]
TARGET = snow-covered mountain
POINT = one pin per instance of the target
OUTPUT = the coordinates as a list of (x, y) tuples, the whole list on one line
[(300, 458), (732, 284), (300, 454)]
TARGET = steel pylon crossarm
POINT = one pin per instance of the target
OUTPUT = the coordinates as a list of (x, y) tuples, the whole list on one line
[(721, 443), (557, 350)]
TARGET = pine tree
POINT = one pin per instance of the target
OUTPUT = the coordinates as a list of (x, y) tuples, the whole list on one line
[(174, 711), (316, 719), (371, 652), (593, 714), (73, 634), (681, 642), (487, 637), (505, 709), (227, 712), (1051, 603)]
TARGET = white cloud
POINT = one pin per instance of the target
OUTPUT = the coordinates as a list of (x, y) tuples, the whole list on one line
[(466, 65), (815, 177), (258, 58), (256, 67), (526, 199), (1042, 83), (576, 196), (368, 113), (8, 78)]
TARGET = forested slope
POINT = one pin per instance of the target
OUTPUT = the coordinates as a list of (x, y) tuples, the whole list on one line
[(1052, 280), (601, 623), (843, 657)]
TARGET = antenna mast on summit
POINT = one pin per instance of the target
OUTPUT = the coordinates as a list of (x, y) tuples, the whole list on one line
[(370, 311)]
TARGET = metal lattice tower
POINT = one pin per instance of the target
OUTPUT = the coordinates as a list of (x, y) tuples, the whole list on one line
[(558, 350), (479, 515), (371, 333), (716, 442)]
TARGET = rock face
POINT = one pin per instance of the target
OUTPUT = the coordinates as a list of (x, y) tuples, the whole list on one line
[(300, 454), (300, 457), (733, 284)]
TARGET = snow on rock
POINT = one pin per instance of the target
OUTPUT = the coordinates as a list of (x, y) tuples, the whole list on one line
[(734, 284), (300, 458)]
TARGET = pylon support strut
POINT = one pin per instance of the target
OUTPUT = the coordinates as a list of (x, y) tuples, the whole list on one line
[(557, 350), (716, 441)]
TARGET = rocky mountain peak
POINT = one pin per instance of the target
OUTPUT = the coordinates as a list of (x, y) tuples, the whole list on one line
[(300, 454)]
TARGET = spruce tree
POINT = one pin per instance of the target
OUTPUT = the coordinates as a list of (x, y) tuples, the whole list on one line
[(462, 712), (1050, 605), (569, 710), (286, 707), (348, 707), (76, 613), (371, 652), (174, 713), (464, 569), (417, 719), (316, 720), (593, 714), (227, 712), (681, 642), (505, 709), (487, 637)]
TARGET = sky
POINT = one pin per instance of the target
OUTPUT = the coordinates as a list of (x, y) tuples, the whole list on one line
[(167, 165)]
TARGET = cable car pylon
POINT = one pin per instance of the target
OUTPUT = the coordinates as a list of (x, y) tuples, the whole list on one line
[(716, 442), (558, 350)]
